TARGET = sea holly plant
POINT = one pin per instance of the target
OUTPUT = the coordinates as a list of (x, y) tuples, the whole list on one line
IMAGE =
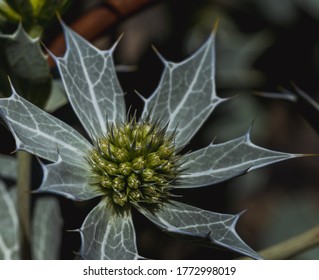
[(133, 162)]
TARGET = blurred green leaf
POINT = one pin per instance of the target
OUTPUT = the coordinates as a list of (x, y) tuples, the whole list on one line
[(237, 53), (8, 167), (24, 62), (24, 9), (46, 229), (45, 10), (7, 12)]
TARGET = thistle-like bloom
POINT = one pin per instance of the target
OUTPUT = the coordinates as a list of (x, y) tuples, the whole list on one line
[(132, 162)]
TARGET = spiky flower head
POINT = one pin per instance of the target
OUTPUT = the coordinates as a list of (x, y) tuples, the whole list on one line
[(135, 162)]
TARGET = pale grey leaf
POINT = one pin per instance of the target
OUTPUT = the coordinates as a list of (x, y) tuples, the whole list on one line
[(91, 84), (69, 180), (220, 162), (107, 235), (41, 134), (200, 226), (8, 167), (57, 97), (46, 229), (186, 95), (9, 226)]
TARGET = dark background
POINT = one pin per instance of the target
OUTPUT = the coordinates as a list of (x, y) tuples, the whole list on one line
[(261, 46)]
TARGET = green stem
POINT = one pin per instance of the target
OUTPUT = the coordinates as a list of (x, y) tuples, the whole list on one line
[(292, 247), (23, 184)]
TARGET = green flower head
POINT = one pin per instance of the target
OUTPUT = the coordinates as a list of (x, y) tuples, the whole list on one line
[(135, 162)]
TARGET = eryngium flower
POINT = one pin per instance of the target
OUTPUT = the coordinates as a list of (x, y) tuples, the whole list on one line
[(135, 163)]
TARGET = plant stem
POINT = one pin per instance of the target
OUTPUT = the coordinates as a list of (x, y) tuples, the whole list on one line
[(291, 247), (23, 185)]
